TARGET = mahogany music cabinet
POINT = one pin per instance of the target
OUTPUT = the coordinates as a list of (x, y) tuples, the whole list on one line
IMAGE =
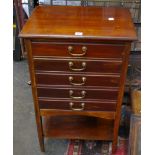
[(78, 59)]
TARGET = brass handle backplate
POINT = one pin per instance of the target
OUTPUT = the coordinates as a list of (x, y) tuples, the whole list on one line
[(71, 64), (77, 109), (83, 79), (71, 49), (84, 49), (83, 93)]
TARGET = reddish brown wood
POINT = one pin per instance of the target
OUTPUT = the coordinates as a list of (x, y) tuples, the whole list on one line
[(108, 45), (55, 49), (81, 41), (77, 127), (56, 112), (63, 80), (64, 21), (35, 98), (94, 66), (120, 97), (89, 105), (63, 93)]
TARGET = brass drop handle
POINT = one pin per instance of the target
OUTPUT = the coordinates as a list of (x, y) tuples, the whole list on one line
[(71, 64), (83, 79), (71, 49), (83, 93), (77, 109)]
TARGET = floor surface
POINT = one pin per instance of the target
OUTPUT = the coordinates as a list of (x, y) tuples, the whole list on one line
[(25, 132)]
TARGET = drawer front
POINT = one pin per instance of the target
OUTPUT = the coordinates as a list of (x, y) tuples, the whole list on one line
[(78, 93), (72, 65), (77, 80), (77, 50), (77, 105)]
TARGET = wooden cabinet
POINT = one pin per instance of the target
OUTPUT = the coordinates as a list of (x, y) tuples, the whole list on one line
[(78, 58)]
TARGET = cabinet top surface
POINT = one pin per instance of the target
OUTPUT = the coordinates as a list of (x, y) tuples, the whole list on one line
[(79, 22)]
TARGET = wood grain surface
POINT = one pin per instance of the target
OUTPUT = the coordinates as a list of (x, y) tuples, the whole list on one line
[(77, 127), (63, 80), (106, 33), (60, 49), (49, 65), (63, 105), (93, 22), (63, 93)]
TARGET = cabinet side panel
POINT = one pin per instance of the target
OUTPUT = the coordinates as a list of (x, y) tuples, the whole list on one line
[(34, 93), (120, 95)]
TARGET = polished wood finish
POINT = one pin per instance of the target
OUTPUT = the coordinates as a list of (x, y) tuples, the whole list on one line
[(78, 80), (120, 97), (35, 98), (65, 104), (56, 112), (78, 127), (93, 65), (61, 49), (67, 80), (63, 93), (93, 22)]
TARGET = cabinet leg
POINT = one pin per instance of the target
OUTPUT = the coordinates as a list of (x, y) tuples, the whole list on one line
[(114, 146), (40, 134), (35, 97), (41, 142)]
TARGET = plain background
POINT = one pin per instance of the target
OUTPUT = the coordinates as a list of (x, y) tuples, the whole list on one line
[(148, 77)]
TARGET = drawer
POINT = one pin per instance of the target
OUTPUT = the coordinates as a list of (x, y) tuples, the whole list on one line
[(77, 105), (78, 93), (77, 50), (77, 80), (82, 65)]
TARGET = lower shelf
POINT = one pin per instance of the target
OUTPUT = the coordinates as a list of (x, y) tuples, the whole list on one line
[(78, 127)]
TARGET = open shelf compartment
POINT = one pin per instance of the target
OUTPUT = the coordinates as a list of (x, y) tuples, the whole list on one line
[(78, 127)]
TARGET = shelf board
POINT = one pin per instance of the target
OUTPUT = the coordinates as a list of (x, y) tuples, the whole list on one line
[(78, 127), (56, 112)]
